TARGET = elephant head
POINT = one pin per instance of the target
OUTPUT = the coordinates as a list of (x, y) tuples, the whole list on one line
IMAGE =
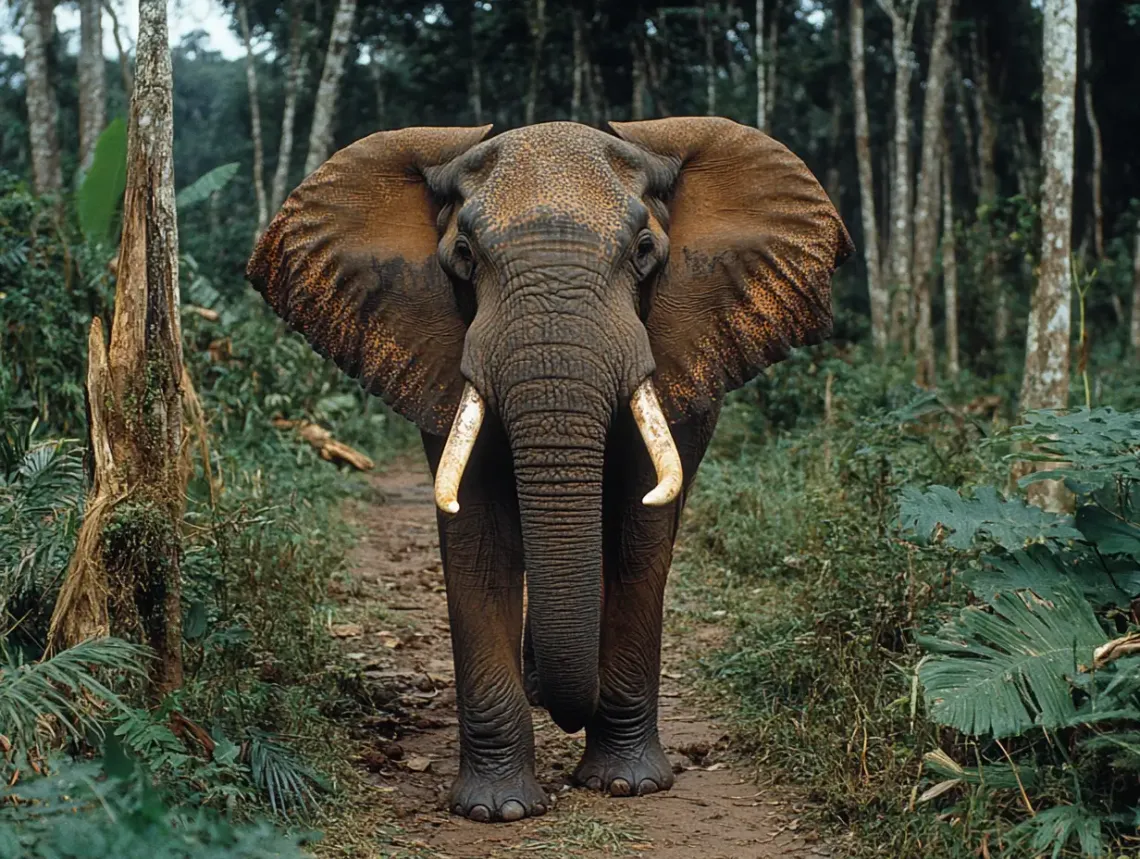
[(553, 275)]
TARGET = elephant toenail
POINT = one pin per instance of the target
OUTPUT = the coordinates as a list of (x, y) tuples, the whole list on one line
[(458, 810), (538, 810), (512, 811), (479, 813), (594, 783), (619, 787), (647, 786)]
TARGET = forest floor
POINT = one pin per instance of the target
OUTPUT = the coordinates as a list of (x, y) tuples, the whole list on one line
[(391, 619)]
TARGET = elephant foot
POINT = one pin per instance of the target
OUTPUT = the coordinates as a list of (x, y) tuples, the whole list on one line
[(633, 771), (506, 800)]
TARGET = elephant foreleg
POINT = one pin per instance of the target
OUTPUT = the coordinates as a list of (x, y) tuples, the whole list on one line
[(482, 559)]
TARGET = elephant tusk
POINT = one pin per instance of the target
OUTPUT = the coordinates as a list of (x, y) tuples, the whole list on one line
[(464, 431), (655, 431)]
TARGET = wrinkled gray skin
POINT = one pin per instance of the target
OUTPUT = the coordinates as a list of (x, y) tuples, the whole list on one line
[(555, 241)]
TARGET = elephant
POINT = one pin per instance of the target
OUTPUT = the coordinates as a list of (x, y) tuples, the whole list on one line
[(560, 309)]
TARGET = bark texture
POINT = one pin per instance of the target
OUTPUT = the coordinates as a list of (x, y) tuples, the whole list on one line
[(43, 109), (710, 59), (125, 574), (902, 14), (1045, 384), (926, 209), (320, 135), (879, 295), (949, 267), (580, 65), (254, 121), (760, 59), (92, 80), (294, 77)]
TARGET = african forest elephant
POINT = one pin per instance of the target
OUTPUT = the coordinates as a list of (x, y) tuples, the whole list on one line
[(560, 310)]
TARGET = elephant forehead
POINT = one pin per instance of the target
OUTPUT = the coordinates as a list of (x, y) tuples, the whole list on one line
[(565, 171)]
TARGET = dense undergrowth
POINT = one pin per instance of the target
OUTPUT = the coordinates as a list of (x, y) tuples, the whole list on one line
[(912, 643), (249, 734)]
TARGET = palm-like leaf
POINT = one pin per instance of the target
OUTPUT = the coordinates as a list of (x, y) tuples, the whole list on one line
[(277, 771), (64, 687), (1002, 670)]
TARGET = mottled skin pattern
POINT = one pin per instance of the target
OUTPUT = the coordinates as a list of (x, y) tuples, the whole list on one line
[(556, 267)]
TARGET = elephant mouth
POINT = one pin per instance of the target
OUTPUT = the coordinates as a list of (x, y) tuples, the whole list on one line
[(647, 415)]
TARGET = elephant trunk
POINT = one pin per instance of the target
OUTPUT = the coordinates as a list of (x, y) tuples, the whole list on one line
[(557, 434)]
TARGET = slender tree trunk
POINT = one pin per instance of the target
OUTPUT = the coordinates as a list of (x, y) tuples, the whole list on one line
[(962, 112), (43, 109), (949, 266), (124, 57), (926, 207), (579, 65), (637, 52), (988, 190), (254, 120), (710, 59), (760, 60), (1045, 384), (655, 76), (92, 80), (1097, 146), (879, 296), (320, 135), (536, 19), (1135, 332), (294, 77), (902, 14), (376, 71), (772, 55), (125, 574)]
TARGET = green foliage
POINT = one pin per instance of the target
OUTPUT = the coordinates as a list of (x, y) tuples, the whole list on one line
[(90, 811), (101, 192), (1043, 658), (205, 186), (1007, 522), (64, 688), (1007, 669)]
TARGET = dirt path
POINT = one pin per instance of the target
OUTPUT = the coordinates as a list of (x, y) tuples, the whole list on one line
[(392, 619)]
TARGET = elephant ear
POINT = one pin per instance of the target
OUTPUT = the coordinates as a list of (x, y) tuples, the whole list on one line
[(753, 242), (350, 262)]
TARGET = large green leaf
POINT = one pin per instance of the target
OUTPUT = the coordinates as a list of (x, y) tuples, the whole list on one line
[(101, 192), (201, 188), (1008, 522), (1112, 534), (1003, 669), (1089, 449), (1103, 582)]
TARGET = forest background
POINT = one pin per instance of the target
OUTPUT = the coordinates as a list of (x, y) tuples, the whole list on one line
[(862, 520)]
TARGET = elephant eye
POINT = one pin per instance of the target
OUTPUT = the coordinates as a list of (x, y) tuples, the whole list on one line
[(645, 254), (462, 258)]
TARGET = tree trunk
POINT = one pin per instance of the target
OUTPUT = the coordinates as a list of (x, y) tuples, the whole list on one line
[(579, 66), (710, 60), (294, 77), (92, 80), (759, 58), (124, 57), (637, 58), (43, 109), (927, 207), (771, 56), (1097, 146), (962, 111), (536, 20), (902, 14), (988, 190), (254, 121), (320, 135), (949, 266), (125, 574), (879, 296), (1046, 381), (655, 76)]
